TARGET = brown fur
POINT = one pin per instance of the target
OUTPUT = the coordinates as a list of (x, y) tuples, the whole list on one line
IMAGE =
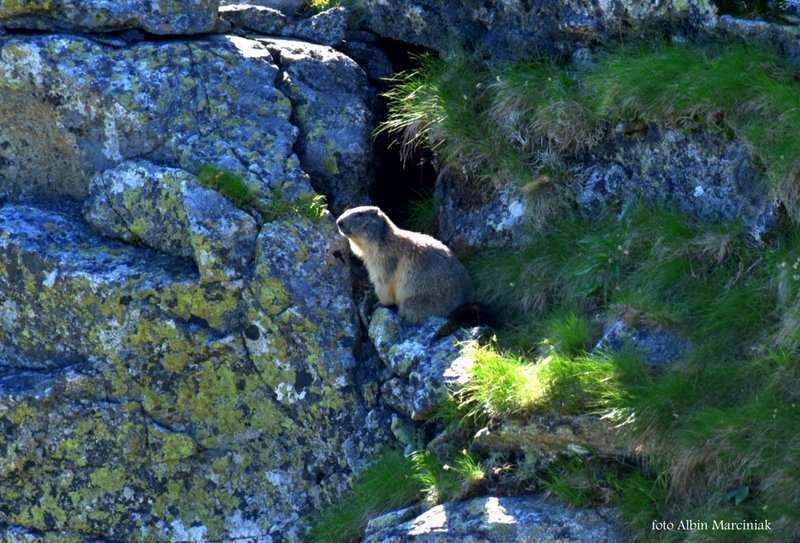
[(413, 271)]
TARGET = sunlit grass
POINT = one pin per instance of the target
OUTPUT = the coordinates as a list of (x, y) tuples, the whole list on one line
[(389, 483), (719, 423)]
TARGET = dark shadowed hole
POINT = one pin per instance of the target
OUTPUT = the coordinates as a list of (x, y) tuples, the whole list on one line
[(771, 10), (398, 184)]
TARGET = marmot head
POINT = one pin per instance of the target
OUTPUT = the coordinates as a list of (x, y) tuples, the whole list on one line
[(364, 224)]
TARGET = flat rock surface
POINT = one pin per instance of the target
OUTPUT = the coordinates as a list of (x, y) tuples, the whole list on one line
[(175, 17)]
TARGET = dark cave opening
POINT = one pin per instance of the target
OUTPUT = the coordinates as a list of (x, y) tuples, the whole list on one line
[(769, 10), (398, 183)]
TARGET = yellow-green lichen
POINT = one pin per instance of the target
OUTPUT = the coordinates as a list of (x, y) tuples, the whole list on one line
[(109, 479), (175, 447)]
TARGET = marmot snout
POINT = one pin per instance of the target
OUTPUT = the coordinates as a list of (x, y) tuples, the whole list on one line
[(414, 271)]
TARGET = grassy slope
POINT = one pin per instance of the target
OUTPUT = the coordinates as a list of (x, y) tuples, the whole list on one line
[(717, 432), (539, 112)]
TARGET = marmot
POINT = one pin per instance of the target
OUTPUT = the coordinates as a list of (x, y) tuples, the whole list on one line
[(414, 271)]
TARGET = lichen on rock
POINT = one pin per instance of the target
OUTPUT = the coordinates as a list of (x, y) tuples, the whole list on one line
[(167, 209), (167, 18)]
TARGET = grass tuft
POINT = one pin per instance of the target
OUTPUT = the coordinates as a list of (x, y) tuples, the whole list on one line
[(388, 483), (233, 187), (229, 184), (443, 482), (500, 385), (423, 214), (310, 206)]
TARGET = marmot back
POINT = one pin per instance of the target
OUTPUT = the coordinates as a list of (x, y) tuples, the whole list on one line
[(414, 271)]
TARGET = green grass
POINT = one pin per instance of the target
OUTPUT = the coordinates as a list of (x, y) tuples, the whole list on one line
[(442, 482), (717, 431), (229, 184), (389, 483), (310, 206), (500, 386), (232, 185), (674, 269), (721, 424), (393, 481), (587, 482), (423, 214), (503, 124)]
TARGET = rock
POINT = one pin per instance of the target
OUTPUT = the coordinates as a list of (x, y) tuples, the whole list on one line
[(184, 376), (426, 359), (499, 217), (287, 7), (789, 7), (326, 27), (375, 63), (549, 435), (702, 175), (166, 18), (150, 407), (785, 39), (495, 519), (659, 345), (407, 434), (333, 103), (301, 324), (509, 29), (258, 19), (167, 209), (72, 108), (69, 294)]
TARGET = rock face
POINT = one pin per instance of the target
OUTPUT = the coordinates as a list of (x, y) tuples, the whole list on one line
[(547, 436), (785, 39), (167, 209), (170, 18), (172, 367), (326, 27), (163, 406), (500, 217), (497, 520), (701, 175), (425, 360), (513, 29), (73, 108), (659, 345), (287, 7), (333, 108)]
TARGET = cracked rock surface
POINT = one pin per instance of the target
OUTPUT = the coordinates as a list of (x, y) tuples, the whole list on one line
[(156, 404), (173, 368), (514, 29)]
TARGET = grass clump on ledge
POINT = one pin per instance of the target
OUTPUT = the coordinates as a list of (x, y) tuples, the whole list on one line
[(511, 124), (310, 206), (388, 483), (229, 184), (232, 185)]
